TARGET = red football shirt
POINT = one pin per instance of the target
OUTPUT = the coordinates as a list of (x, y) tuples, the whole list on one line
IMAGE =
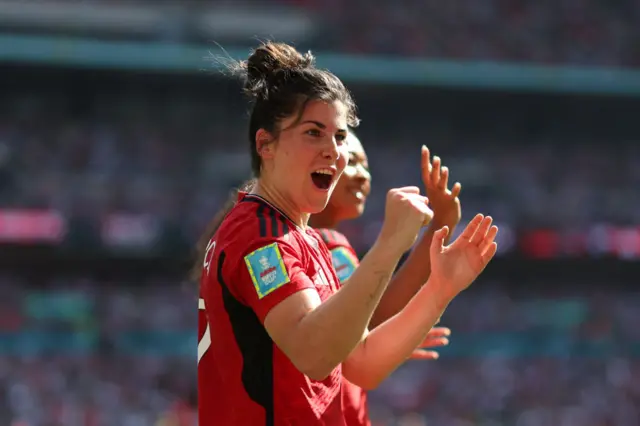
[(256, 259), (345, 261)]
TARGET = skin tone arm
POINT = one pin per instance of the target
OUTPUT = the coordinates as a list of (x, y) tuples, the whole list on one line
[(415, 272), (317, 337), (454, 268)]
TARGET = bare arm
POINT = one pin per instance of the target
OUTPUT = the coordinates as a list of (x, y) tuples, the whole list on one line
[(317, 337), (390, 344), (415, 271), (409, 279), (306, 329)]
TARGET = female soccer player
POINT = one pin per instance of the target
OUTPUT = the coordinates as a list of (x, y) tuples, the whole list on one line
[(281, 336), (348, 202)]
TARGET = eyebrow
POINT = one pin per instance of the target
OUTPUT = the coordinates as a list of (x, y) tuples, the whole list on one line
[(321, 125)]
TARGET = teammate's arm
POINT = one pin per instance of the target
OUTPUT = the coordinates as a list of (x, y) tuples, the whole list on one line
[(415, 271)]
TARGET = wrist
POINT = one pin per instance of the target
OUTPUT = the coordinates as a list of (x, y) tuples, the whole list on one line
[(438, 293), (384, 252), (438, 222)]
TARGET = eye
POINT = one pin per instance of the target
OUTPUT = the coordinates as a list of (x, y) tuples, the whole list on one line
[(341, 137), (314, 132)]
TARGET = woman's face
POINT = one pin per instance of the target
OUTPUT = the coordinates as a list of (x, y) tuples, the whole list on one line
[(350, 195), (303, 165)]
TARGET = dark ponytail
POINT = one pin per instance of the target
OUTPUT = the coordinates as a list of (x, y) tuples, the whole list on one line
[(212, 228), (279, 82)]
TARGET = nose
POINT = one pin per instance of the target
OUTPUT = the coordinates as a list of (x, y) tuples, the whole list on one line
[(331, 151), (362, 172)]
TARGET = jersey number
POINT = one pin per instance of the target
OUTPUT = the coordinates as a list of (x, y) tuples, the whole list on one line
[(205, 341)]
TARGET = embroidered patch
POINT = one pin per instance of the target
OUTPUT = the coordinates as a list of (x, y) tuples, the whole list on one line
[(344, 262), (267, 269)]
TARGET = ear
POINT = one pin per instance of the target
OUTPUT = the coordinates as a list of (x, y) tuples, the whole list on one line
[(264, 145)]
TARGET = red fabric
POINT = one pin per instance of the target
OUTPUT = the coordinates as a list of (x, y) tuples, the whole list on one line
[(243, 377)]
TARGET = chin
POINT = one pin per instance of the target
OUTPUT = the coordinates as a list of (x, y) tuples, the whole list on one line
[(317, 205), (353, 211)]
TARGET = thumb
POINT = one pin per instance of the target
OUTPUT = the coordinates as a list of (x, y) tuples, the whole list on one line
[(437, 244)]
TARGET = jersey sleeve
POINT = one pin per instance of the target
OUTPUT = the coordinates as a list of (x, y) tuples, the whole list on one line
[(343, 256), (268, 273), (344, 262)]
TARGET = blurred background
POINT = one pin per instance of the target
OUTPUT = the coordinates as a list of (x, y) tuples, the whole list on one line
[(120, 137)]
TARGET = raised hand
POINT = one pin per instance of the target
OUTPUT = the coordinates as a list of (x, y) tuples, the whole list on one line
[(406, 211), (456, 266), (437, 337), (444, 202)]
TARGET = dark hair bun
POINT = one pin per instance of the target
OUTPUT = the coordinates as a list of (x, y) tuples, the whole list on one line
[(270, 60)]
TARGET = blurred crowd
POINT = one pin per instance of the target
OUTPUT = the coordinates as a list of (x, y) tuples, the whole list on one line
[(562, 357), (175, 161), (580, 32)]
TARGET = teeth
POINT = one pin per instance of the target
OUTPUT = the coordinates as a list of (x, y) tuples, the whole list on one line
[(358, 194), (325, 172)]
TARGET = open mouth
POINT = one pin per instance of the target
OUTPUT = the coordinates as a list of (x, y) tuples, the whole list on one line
[(322, 178)]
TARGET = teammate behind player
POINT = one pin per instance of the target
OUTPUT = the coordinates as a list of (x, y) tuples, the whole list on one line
[(348, 202), (280, 334)]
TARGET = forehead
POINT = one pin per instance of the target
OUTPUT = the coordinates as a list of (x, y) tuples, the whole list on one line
[(354, 144), (333, 115)]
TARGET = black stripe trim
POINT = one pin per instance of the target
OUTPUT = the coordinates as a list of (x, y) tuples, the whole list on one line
[(275, 230), (256, 348), (262, 220), (285, 225), (253, 198)]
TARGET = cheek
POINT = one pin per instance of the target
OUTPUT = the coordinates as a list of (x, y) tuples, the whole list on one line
[(344, 157)]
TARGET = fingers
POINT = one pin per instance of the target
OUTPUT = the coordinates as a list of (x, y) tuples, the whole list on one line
[(421, 354), (481, 232), (426, 166), (471, 228), (434, 343), (435, 171), (455, 191), (488, 239), (439, 332), (437, 243), (489, 253), (444, 178), (408, 190)]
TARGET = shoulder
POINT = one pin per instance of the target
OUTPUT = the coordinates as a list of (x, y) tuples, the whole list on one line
[(343, 256), (254, 231)]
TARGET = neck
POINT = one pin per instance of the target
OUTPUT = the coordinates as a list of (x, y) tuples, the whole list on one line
[(324, 220), (281, 202)]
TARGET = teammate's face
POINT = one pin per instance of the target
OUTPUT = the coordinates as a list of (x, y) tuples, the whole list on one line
[(310, 155), (349, 198)]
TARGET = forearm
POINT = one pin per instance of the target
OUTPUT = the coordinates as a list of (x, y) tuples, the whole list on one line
[(338, 325), (391, 343), (409, 279)]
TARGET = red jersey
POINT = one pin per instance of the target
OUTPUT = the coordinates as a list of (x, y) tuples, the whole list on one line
[(345, 261), (256, 259)]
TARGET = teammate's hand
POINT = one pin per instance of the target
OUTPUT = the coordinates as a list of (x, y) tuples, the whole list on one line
[(456, 266), (437, 337), (444, 202), (406, 211)]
